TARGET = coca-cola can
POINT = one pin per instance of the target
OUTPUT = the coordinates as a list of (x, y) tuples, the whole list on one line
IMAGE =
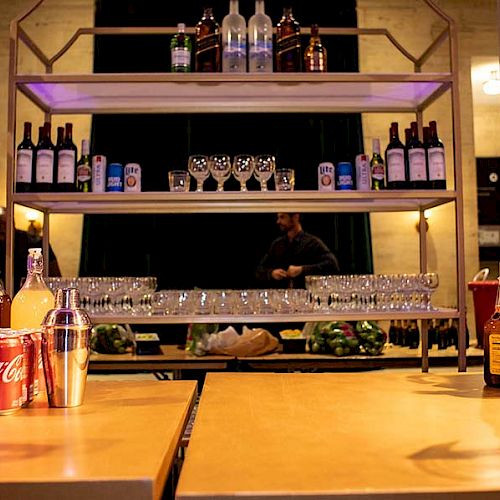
[(29, 362), (36, 335), (11, 373)]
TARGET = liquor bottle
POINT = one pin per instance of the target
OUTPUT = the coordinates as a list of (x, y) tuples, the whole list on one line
[(5, 305), (431, 334), (491, 344), (436, 159), (234, 41), (288, 49), (180, 51), (315, 53), (66, 162), (260, 40), (399, 333), (44, 163), (57, 147), (417, 166), (413, 335), (34, 299), (395, 160), (377, 167), (442, 334), (405, 336), (207, 38), (25, 162), (84, 170), (393, 339), (453, 333)]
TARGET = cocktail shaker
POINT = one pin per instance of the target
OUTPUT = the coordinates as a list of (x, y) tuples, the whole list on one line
[(66, 349)]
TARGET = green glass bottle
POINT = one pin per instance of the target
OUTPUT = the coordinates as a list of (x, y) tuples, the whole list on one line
[(84, 170), (180, 51)]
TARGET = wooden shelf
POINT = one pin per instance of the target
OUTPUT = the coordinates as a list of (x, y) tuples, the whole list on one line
[(223, 93), (250, 201), (275, 318)]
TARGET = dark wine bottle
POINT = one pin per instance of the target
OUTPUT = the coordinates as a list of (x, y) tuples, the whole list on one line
[(436, 159), (417, 166), (207, 44), (66, 162), (288, 47), (44, 166), (395, 160), (25, 161)]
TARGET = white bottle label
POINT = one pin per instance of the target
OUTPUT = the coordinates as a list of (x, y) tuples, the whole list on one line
[(44, 166), (66, 165), (396, 165), (416, 164), (362, 173), (437, 167), (24, 163), (181, 56)]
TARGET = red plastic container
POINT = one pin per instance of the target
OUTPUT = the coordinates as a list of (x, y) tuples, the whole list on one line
[(484, 294)]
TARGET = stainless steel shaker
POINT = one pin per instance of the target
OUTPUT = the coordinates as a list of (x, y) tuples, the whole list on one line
[(66, 349)]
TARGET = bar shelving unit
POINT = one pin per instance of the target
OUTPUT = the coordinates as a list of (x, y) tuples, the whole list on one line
[(59, 94)]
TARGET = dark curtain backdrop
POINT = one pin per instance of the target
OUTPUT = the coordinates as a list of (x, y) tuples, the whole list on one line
[(214, 250)]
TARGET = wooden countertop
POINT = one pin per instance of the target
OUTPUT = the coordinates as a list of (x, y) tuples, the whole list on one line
[(120, 444), (344, 436)]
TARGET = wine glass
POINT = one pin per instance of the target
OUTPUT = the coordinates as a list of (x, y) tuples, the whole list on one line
[(264, 169), (220, 168), (243, 167), (198, 168)]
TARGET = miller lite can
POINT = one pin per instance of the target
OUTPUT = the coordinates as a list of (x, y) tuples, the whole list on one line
[(326, 176), (132, 182), (98, 174)]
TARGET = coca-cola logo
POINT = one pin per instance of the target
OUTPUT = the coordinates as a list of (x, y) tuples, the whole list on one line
[(12, 371)]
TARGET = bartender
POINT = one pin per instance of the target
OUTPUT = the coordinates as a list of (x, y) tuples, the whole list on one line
[(294, 255)]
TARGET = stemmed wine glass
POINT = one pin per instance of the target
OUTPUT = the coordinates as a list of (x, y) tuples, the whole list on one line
[(264, 169), (220, 168), (198, 168), (243, 167)]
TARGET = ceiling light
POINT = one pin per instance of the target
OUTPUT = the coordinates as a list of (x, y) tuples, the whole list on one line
[(492, 86)]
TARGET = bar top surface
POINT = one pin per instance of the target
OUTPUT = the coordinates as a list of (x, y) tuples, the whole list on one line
[(344, 435), (119, 444)]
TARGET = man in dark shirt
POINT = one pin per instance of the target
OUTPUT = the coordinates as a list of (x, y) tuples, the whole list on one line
[(295, 255)]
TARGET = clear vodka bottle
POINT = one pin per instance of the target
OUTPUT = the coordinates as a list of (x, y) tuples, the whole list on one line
[(260, 39), (234, 41)]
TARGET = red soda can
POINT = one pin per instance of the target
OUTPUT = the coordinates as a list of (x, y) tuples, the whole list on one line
[(11, 373), (28, 366), (36, 335)]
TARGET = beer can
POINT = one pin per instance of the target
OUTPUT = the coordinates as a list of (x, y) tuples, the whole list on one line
[(11, 373), (28, 386), (98, 174), (326, 176), (114, 177), (344, 175), (132, 178), (363, 177)]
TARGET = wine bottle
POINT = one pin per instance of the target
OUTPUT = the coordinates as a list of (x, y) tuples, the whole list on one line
[(180, 51), (436, 159), (25, 162), (234, 41), (58, 145), (207, 34), (260, 39), (377, 167), (395, 160), (491, 344), (288, 48), (417, 168), (66, 162), (315, 53), (44, 166), (34, 299), (84, 170)]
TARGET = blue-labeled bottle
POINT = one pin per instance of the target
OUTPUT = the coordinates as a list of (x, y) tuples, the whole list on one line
[(114, 178), (345, 176)]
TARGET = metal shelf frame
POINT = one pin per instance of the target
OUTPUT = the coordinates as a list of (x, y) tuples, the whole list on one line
[(338, 92)]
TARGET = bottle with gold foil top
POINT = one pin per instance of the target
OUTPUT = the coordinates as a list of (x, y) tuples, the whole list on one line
[(34, 299), (288, 48), (208, 44), (315, 53), (491, 344)]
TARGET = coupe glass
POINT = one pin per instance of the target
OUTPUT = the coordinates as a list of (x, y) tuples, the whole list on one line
[(243, 167), (198, 168), (264, 169), (220, 168)]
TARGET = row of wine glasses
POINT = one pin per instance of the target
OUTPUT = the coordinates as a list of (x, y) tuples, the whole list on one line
[(242, 167)]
